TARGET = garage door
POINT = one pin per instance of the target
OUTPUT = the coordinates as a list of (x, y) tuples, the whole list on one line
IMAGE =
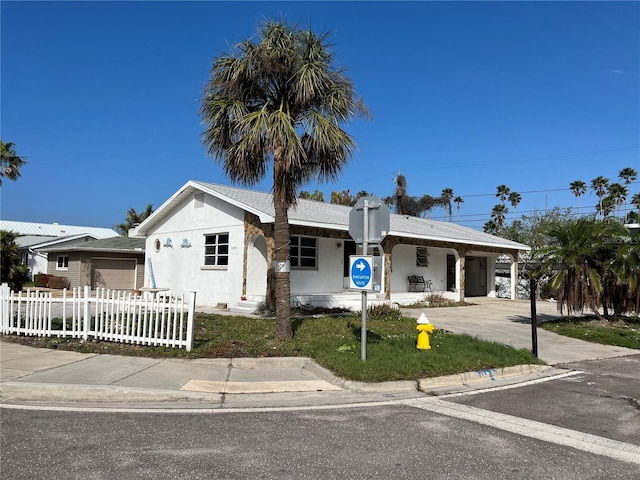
[(115, 274)]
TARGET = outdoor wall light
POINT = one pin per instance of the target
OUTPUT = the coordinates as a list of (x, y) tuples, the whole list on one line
[(339, 245)]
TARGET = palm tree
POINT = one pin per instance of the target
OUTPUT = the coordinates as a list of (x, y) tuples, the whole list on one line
[(618, 194), (578, 188), (10, 161), (458, 201), (279, 100), (11, 269), (577, 260), (317, 195), (635, 200), (514, 199), (627, 175), (414, 206), (447, 194), (599, 186), (503, 193), (133, 219), (499, 215)]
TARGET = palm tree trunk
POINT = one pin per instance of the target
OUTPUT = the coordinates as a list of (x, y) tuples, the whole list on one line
[(283, 283)]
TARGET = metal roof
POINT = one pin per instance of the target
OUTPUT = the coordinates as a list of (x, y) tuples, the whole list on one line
[(330, 216), (54, 229)]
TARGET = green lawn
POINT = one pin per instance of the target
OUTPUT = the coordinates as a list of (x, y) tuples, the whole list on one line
[(624, 332), (333, 342)]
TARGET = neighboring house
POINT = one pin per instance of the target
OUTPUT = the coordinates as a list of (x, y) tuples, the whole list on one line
[(218, 241), (31, 237), (115, 263)]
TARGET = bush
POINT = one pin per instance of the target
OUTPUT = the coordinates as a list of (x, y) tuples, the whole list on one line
[(50, 281), (437, 300), (383, 311)]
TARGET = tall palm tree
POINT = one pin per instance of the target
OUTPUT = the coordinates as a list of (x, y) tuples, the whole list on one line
[(499, 215), (514, 199), (10, 161), (447, 194), (627, 175), (578, 188), (132, 219), (414, 206), (618, 194), (458, 201), (599, 186), (502, 192), (278, 100)]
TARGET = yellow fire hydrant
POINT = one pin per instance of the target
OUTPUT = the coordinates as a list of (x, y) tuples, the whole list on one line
[(424, 329)]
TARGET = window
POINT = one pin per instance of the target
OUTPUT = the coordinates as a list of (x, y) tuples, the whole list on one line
[(422, 257), (304, 252), (63, 262), (216, 249)]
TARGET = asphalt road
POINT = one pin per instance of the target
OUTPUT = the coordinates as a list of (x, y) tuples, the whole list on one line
[(585, 425)]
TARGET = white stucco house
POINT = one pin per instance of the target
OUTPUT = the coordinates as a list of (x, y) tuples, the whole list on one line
[(218, 241)]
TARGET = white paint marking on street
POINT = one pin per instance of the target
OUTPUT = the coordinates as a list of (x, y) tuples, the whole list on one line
[(625, 452), (514, 385)]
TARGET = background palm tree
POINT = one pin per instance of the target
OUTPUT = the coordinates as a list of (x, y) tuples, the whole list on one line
[(414, 206), (133, 219), (628, 175), (10, 161), (458, 201), (499, 215), (514, 199), (502, 192), (279, 101), (447, 195), (599, 186), (317, 195), (11, 269), (578, 188), (618, 194)]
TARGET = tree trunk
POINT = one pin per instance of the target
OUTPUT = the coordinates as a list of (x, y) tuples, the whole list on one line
[(283, 285)]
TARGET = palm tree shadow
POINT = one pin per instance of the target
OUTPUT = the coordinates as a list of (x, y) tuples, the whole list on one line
[(356, 330)]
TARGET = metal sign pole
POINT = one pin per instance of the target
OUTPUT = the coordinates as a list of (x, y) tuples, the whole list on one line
[(365, 248), (534, 317)]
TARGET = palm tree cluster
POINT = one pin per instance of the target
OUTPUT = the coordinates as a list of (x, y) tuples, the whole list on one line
[(12, 271), (417, 206), (499, 212), (611, 195), (133, 219), (277, 101), (595, 265)]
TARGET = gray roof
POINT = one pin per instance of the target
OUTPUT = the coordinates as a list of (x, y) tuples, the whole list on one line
[(330, 216), (54, 229), (115, 244)]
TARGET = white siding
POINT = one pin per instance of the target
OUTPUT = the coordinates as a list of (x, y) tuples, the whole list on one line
[(328, 277), (181, 268), (404, 264)]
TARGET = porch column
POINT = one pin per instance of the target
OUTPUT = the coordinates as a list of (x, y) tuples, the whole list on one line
[(387, 246), (514, 277), (462, 252)]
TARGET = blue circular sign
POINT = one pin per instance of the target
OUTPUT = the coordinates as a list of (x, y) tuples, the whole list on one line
[(361, 273)]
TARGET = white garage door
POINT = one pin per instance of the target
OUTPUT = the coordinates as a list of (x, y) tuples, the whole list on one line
[(115, 274)]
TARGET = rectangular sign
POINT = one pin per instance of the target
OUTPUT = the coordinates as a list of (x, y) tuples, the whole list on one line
[(361, 272)]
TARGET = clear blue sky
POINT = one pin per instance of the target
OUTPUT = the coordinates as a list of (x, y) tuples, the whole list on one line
[(101, 98)]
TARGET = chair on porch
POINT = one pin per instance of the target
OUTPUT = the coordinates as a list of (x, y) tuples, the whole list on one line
[(417, 283)]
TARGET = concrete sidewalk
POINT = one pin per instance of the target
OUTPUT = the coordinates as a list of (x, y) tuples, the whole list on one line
[(34, 375)]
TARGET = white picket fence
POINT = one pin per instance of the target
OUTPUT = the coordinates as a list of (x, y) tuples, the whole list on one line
[(110, 315)]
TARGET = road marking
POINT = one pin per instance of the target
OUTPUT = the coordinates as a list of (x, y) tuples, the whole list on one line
[(513, 385), (625, 452)]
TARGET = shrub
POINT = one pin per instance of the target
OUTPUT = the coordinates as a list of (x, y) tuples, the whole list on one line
[(41, 280), (58, 282), (437, 300), (383, 311)]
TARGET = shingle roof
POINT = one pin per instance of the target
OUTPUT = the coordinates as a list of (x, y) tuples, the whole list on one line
[(54, 229), (336, 217), (119, 244)]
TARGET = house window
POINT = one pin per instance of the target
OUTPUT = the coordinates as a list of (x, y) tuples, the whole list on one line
[(422, 257), (304, 252), (216, 249), (62, 262)]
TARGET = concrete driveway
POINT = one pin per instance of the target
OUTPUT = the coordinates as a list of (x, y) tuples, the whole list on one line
[(509, 322)]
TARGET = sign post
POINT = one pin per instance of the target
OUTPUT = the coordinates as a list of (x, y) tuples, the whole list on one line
[(368, 222)]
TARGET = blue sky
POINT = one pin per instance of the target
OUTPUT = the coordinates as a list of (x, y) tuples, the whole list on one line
[(101, 98)]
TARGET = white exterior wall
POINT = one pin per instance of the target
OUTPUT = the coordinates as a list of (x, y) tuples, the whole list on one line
[(328, 277), (403, 264), (37, 263), (181, 269)]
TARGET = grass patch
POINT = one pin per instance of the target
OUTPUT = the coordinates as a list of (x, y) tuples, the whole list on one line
[(333, 342), (621, 332)]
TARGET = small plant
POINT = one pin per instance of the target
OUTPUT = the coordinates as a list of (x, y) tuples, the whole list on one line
[(437, 300), (383, 311)]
